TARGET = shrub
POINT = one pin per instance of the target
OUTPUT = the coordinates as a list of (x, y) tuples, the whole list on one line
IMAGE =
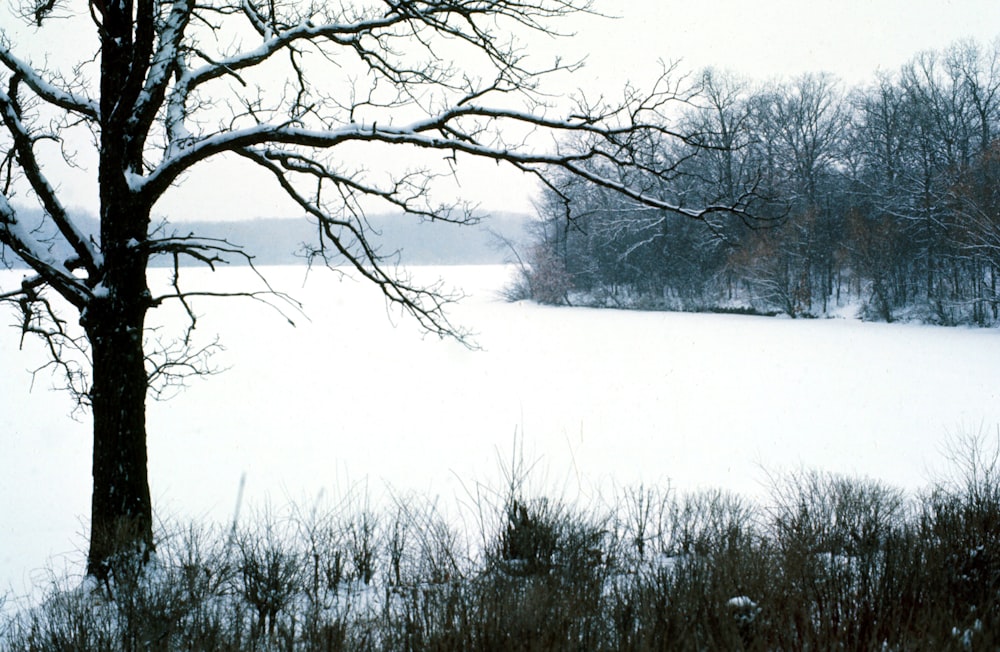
[(828, 562)]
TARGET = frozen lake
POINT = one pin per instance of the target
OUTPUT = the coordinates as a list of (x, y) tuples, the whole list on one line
[(600, 399)]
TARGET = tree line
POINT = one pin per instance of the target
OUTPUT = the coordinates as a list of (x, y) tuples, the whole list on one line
[(882, 196)]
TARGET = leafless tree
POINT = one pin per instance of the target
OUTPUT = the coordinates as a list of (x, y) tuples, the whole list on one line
[(299, 89)]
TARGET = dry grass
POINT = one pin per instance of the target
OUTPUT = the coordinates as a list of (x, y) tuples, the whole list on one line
[(827, 563)]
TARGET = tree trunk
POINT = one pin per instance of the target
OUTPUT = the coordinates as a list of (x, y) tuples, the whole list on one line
[(121, 511), (121, 516)]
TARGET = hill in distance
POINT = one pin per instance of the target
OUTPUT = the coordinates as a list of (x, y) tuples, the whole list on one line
[(284, 241)]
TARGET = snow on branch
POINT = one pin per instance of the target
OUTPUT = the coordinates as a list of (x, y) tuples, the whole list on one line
[(45, 90), (23, 143), (165, 62), (54, 272), (612, 139)]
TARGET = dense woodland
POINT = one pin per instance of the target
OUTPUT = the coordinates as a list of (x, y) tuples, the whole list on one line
[(884, 197)]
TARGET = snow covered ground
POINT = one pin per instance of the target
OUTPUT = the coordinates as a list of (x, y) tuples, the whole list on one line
[(600, 399)]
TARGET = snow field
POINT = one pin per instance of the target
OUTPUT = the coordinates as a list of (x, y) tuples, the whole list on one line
[(355, 396)]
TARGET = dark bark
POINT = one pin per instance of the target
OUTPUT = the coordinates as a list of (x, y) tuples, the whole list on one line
[(121, 516), (121, 510)]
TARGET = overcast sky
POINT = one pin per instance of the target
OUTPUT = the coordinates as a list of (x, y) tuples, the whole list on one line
[(761, 39), (765, 38)]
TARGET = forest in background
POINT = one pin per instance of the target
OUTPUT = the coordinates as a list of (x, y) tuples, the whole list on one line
[(884, 197)]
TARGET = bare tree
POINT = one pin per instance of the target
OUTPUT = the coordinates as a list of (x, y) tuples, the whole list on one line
[(296, 89)]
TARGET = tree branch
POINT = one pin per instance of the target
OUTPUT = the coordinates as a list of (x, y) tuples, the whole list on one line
[(23, 144)]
